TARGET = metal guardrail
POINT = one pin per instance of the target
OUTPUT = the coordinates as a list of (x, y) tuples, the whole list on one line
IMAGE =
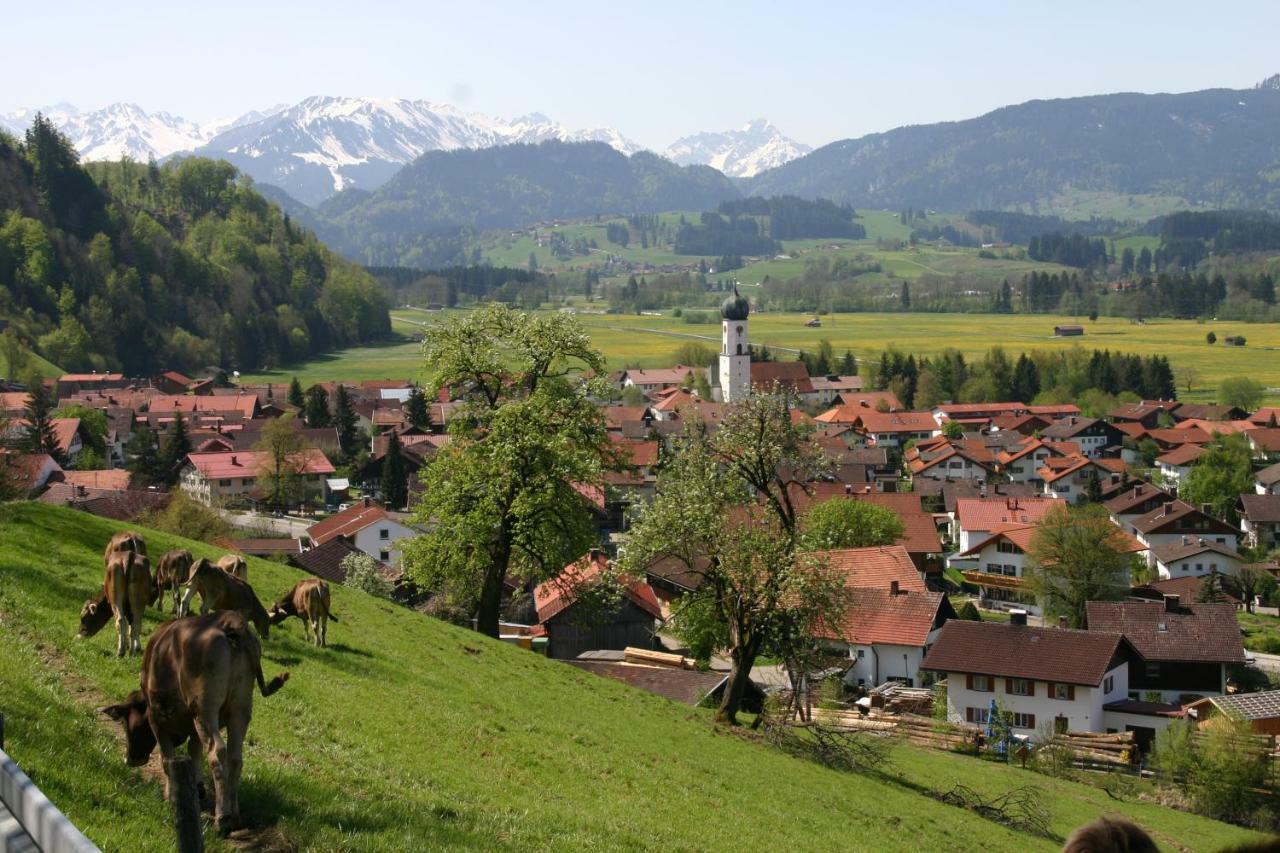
[(28, 820)]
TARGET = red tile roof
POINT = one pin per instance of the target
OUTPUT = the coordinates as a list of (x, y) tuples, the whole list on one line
[(660, 376), (873, 567), (91, 377), (1193, 633), (1021, 651), (990, 513), (246, 463), (877, 422), (117, 478), (788, 374), (877, 616), (349, 522), (244, 404), (554, 596), (854, 404)]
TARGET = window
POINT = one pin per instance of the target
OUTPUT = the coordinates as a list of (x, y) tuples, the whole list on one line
[(1024, 721), (384, 533), (1006, 547), (862, 653), (224, 483), (980, 683), (1108, 684), (1153, 669), (384, 556), (1064, 692), (977, 715), (246, 481), (1019, 687)]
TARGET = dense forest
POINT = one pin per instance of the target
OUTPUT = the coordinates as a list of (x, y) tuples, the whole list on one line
[(450, 286), (1075, 250), (132, 267), (420, 216), (794, 218), (1012, 227), (1092, 378), (719, 235)]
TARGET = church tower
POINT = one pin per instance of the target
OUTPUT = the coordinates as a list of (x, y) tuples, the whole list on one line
[(735, 354)]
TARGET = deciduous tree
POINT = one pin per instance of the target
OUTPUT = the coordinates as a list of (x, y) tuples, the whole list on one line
[(1077, 555), (503, 497), (282, 459), (849, 523), (1220, 476)]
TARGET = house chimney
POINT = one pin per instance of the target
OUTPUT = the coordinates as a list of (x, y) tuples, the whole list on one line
[(1137, 491), (367, 501), (1186, 540), (1017, 617), (1171, 603), (848, 488), (233, 460), (893, 588), (1207, 509), (1062, 622), (594, 554)]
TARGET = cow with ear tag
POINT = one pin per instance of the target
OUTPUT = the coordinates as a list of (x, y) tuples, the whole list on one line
[(198, 677)]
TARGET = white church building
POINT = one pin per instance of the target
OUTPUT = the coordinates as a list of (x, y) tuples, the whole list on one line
[(735, 352)]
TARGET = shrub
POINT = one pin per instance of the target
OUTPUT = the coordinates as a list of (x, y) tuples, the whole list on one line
[(365, 574), (187, 517)]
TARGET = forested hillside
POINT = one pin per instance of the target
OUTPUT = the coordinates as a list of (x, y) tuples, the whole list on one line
[(1217, 147), (133, 267), (414, 218)]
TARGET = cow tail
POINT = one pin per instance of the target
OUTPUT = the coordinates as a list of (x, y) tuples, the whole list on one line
[(267, 688)]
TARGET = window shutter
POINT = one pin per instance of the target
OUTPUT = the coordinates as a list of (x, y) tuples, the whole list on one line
[(1031, 687), (1031, 721), (1071, 692), (968, 683), (968, 715), (1008, 686)]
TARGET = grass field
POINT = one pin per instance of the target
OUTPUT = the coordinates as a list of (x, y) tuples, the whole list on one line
[(409, 734), (651, 341)]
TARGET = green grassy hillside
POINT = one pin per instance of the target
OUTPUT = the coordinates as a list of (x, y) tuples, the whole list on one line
[(406, 733)]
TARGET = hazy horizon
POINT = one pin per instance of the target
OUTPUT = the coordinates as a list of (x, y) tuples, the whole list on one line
[(655, 75)]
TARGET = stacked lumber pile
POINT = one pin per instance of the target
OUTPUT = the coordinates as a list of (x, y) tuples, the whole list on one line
[(897, 698), (1118, 749), (634, 654), (924, 731)]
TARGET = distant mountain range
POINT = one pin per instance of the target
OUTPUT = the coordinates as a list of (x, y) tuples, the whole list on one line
[(1216, 148), (415, 218), (323, 145), (743, 153)]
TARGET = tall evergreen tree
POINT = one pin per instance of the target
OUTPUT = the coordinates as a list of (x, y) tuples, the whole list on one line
[(395, 483), (347, 422), (317, 408), (142, 455), (416, 409), (906, 297), (1026, 379), (1093, 487), (176, 448), (295, 394), (848, 364), (38, 435)]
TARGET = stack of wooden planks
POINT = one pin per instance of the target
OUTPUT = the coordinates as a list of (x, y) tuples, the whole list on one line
[(634, 654), (1117, 749), (924, 731), (897, 698)]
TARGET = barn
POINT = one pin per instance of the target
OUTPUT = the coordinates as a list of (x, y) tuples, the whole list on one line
[(575, 624), (1067, 331)]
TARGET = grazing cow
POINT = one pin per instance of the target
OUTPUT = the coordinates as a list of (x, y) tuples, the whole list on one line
[(172, 572), (221, 591), (126, 591), (125, 540), (234, 565), (198, 676), (309, 601)]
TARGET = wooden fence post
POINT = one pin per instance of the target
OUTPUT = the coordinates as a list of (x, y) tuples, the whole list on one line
[(186, 804)]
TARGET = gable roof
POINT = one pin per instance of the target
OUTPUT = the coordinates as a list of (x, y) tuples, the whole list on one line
[(990, 513), (554, 596), (114, 479), (1186, 588), (1268, 476), (1183, 454), (878, 616), (325, 561), (1176, 512), (1190, 546), (874, 567), (1022, 651), (890, 422), (788, 374), (1018, 534), (1131, 498), (1249, 706), (1191, 633), (854, 403), (227, 465), (348, 522), (1261, 509), (687, 686), (1267, 439)]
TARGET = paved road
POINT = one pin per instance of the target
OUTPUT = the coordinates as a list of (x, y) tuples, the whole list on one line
[(1270, 663), (288, 525)]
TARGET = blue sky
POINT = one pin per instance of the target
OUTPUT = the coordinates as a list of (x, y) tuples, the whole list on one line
[(655, 70)]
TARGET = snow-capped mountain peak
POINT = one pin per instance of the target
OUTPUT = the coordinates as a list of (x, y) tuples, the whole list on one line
[(754, 147)]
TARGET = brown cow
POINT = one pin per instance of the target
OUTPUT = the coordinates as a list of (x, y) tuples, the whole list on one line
[(234, 565), (221, 591), (126, 591), (172, 572), (198, 675), (309, 601), (125, 540)]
